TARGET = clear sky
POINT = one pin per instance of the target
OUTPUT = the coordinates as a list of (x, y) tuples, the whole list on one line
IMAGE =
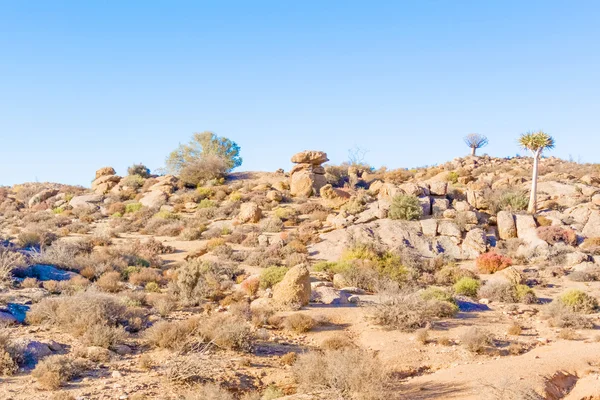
[(85, 84)]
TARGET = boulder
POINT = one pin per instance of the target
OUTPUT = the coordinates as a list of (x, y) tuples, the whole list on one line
[(328, 295), (510, 274), (7, 319), (89, 201), (154, 199), (412, 189), (305, 183), (592, 227), (438, 188), (274, 195), (475, 243), (425, 204), (105, 171), (507, 229), (249, 212), (105, 183), (527, 231), (45, 273), (32, 351), (449, 228), (439, 205), (294, 290), (310, 157), (429, 227), (42, 196)]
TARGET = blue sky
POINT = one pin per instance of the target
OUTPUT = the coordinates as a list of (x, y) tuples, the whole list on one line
[(84, 84)]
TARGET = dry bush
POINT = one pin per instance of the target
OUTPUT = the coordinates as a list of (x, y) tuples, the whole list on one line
[(562, 316), (514, 329), (491, 262), (145, 276), (336, 342), (507, 292), (591, 245), (209, 391), (224, 331), (350, 373), (175, 335), (271, 225), (109, 282), (568, 334), (9, 261), (476, 340), (197, 280), (54, 371), (299, 323), (408, 312), (10, 355), (82, 314), (288, 358), (163, 304), (422, 335), (555, 234)]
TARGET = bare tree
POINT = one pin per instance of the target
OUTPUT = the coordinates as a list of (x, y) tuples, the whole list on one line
[(536, 142), (475, 141)]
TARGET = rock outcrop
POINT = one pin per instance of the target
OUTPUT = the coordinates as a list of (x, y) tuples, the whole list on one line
[(294, 290), (308, 176)]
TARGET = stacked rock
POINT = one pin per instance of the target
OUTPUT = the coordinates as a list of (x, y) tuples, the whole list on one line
[(308, 175), (106, 179)]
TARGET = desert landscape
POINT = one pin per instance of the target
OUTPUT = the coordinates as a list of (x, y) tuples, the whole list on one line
[(316, 281)]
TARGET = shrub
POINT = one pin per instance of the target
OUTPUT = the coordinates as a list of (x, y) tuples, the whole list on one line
[(198, 280), (9, 355), (507, 292), (271, 225), (133, 181), (109, 282), (491, 262), (336, 342), (80, 313), (140, 170), (591, 244), (299, 323), (250, 286), (405, 207), (467, 287), (578, 301), (9, 261), (349, 372), (54, 371), (562, 316), (132, 207), (408, 312), (555, 234), (476, 339), (271, 276), (514, 329), (206, 147), (422, 335)]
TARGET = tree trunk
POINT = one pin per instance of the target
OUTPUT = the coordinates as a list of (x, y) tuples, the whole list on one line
[(532, 209), (473, 150)]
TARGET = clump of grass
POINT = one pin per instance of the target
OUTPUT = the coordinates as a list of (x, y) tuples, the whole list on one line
[(54, 371)]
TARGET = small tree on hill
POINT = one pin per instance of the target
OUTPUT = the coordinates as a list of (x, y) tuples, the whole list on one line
[(536, 142), (206, 156), (475, 141)]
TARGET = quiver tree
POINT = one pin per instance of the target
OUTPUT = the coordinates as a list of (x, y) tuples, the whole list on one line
[(536, 143), (475, 141)]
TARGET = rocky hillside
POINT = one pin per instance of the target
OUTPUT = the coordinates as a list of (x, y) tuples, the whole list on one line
[(241, 286)]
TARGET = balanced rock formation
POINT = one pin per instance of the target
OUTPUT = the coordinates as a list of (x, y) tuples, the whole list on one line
[(106, 179), (308, 176)]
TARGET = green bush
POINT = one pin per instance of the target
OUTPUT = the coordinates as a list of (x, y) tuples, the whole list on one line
[(578, 301), (467, 286), (140, 170), (405, 207), (452, 177), (271, 276), (206, 203), (132, 207)]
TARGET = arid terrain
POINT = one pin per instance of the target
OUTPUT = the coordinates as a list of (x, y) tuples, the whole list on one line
[(318, 282)]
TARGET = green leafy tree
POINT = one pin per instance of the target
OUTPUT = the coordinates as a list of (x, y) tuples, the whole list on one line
[(536, 143), (204, 145)]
